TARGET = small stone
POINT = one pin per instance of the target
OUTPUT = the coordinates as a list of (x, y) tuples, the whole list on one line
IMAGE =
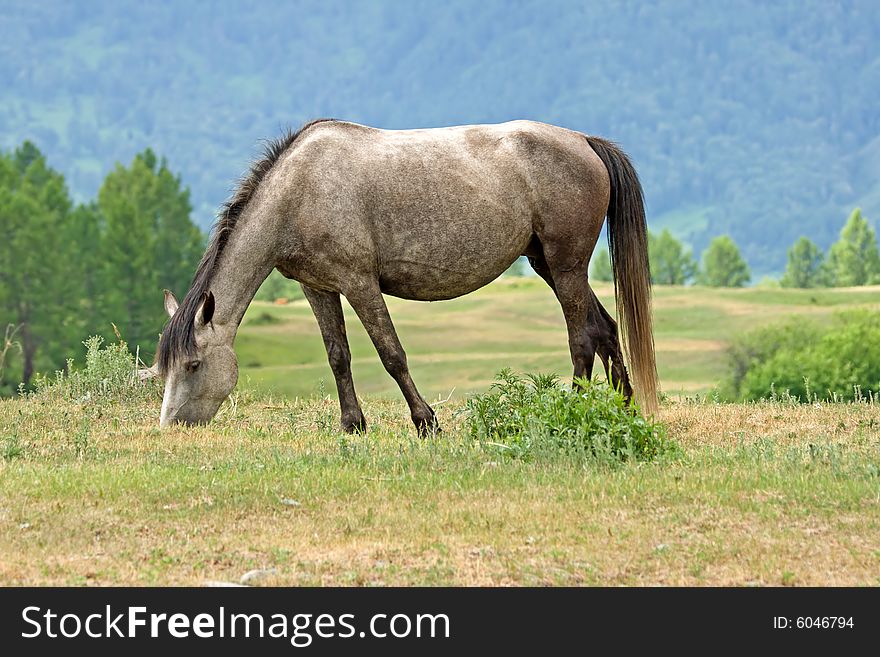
[(286, 501), (216, 584), (24, 525), (254, 576)]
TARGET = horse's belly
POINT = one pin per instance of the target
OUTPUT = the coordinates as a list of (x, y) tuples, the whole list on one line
[(452, 263)]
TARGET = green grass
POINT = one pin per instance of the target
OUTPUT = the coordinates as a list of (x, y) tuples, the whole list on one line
[(759, 494), (769, 493)]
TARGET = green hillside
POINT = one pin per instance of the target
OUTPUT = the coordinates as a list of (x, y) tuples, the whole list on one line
[(457, 346)]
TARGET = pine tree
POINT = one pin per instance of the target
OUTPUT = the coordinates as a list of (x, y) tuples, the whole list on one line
[(85, 234), (149, 243), (40, 290)]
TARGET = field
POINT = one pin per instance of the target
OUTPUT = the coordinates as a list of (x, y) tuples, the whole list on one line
[(459, 345), (771, 493)]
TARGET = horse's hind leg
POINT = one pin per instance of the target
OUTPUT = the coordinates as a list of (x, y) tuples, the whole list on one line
[(331, 321), (601, 328), (373, 313), (575, 298), (608, 347), (539, 264)]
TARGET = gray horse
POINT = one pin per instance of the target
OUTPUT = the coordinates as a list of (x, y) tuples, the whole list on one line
[(418, 214)]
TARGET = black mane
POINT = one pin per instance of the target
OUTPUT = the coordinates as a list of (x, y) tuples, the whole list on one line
[(178, 338)]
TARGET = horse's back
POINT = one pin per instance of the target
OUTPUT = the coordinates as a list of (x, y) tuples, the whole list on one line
[(446, 209), (538, 152)]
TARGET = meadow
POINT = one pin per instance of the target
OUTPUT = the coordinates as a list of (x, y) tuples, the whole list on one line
[(766, 493), (457, 346)]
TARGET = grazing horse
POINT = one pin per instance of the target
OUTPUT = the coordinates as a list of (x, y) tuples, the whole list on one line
[(418, 214)]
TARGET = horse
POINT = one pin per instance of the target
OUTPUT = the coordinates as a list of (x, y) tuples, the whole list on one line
[(427, 214)]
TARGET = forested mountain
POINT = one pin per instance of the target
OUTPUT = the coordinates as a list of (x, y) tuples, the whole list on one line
[(750, 118)]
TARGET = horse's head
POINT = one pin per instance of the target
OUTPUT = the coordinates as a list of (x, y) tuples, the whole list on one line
[(197, 381)]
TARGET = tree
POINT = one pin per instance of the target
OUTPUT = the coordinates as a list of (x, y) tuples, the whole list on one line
[(670, 263), (85, 234), (806, 266), (40, 292), (854, 258), (149, 243), (600, 269), (723, 266)]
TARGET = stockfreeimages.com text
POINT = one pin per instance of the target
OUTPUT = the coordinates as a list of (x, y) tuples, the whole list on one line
[(300, 629)]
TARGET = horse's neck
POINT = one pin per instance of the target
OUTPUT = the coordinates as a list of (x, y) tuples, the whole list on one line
[(245, 262)]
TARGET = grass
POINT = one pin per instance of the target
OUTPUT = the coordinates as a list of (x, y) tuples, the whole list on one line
[(765, 493), (459, 345)]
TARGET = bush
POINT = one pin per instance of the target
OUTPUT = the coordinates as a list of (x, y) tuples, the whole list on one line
[(807, 361), (534, 415), (110, 373)]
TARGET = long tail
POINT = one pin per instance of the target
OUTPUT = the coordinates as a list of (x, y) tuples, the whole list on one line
[(628, 246)]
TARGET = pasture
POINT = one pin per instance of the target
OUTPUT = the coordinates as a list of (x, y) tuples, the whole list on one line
[(770, 493), (457, 346)]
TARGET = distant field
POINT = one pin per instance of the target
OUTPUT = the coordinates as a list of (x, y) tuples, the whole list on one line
[(515, 322)]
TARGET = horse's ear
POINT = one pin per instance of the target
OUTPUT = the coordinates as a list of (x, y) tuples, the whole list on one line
[(170, 303), (206, 309)]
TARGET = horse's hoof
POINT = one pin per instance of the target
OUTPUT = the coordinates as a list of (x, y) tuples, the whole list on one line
[(427, 427), (354, 425)]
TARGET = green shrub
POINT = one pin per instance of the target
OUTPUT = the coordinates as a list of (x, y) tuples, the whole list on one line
[(110, 373), (806, 361), (534, 415)]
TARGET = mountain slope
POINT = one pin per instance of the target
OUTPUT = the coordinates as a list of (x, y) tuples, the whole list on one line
[(757, 119)]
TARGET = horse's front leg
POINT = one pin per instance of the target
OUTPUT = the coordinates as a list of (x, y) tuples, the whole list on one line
[(373, 313), (328, 312)]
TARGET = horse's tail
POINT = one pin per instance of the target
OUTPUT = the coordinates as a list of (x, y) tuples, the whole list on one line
[(628, 246)]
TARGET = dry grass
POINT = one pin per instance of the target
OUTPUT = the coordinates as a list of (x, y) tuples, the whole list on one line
[(763, 494)]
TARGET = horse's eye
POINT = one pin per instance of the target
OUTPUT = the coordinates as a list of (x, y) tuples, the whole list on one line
[(193, 365)]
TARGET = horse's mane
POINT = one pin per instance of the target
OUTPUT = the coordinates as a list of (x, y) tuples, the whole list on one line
[(178, 339)]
